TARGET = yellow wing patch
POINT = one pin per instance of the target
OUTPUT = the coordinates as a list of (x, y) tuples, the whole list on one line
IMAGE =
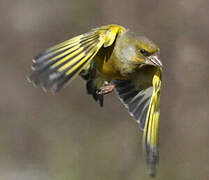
[(63, 62)]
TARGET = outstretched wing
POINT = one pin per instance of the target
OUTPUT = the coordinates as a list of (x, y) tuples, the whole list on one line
[(63, 62), (141, 97), (135, 100), (150, 135)]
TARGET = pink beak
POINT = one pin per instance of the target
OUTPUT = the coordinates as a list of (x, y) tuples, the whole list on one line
[(154, 60)]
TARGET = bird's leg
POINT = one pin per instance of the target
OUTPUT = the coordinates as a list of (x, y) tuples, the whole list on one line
[(106, 89)]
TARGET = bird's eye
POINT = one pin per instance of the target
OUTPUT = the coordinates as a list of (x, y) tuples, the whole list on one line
[(144, 52)]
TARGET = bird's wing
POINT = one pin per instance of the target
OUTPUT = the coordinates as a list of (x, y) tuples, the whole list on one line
[(63, 62), (142, 102)]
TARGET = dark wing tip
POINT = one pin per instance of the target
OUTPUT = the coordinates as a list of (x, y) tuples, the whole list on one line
[(152, 160), (44, 82), (152, 173)]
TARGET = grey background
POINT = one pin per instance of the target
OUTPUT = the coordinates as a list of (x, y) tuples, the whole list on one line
[(68, 136)]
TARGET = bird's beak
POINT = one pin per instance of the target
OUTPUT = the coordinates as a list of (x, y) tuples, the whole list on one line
[(154, 60)]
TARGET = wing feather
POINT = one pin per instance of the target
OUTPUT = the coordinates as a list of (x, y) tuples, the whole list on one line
[(142, 103), (150, 135), (136, 101), (63, 62)]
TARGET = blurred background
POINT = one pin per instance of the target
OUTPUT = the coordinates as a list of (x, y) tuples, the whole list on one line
[(68, 136)]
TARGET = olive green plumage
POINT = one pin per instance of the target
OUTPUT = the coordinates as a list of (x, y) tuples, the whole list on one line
[(110, 57)]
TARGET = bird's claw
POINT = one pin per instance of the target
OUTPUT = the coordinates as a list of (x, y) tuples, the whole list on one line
[(106, 89)]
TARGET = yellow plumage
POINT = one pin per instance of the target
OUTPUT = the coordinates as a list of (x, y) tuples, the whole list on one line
[(150, 135), (110, 57)]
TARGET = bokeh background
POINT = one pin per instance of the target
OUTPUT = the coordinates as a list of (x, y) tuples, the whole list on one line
[(68, 136)]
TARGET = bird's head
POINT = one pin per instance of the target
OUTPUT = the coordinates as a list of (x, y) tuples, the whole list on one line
[(147, 52), (140, 50)]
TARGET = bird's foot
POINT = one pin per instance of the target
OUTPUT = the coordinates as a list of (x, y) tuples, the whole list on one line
[(106, 89)]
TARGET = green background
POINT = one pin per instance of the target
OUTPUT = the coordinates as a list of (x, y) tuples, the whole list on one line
[(68, 136)]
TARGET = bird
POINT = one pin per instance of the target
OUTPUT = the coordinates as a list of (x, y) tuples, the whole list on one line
[(110, 58)]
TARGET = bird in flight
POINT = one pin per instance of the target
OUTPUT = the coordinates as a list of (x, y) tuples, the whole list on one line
[(110, 58)]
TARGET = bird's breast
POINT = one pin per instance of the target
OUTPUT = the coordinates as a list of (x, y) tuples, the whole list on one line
[(114, 68), (107, 69)]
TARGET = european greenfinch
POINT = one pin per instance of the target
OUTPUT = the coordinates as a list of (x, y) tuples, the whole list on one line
[(110, 57)]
